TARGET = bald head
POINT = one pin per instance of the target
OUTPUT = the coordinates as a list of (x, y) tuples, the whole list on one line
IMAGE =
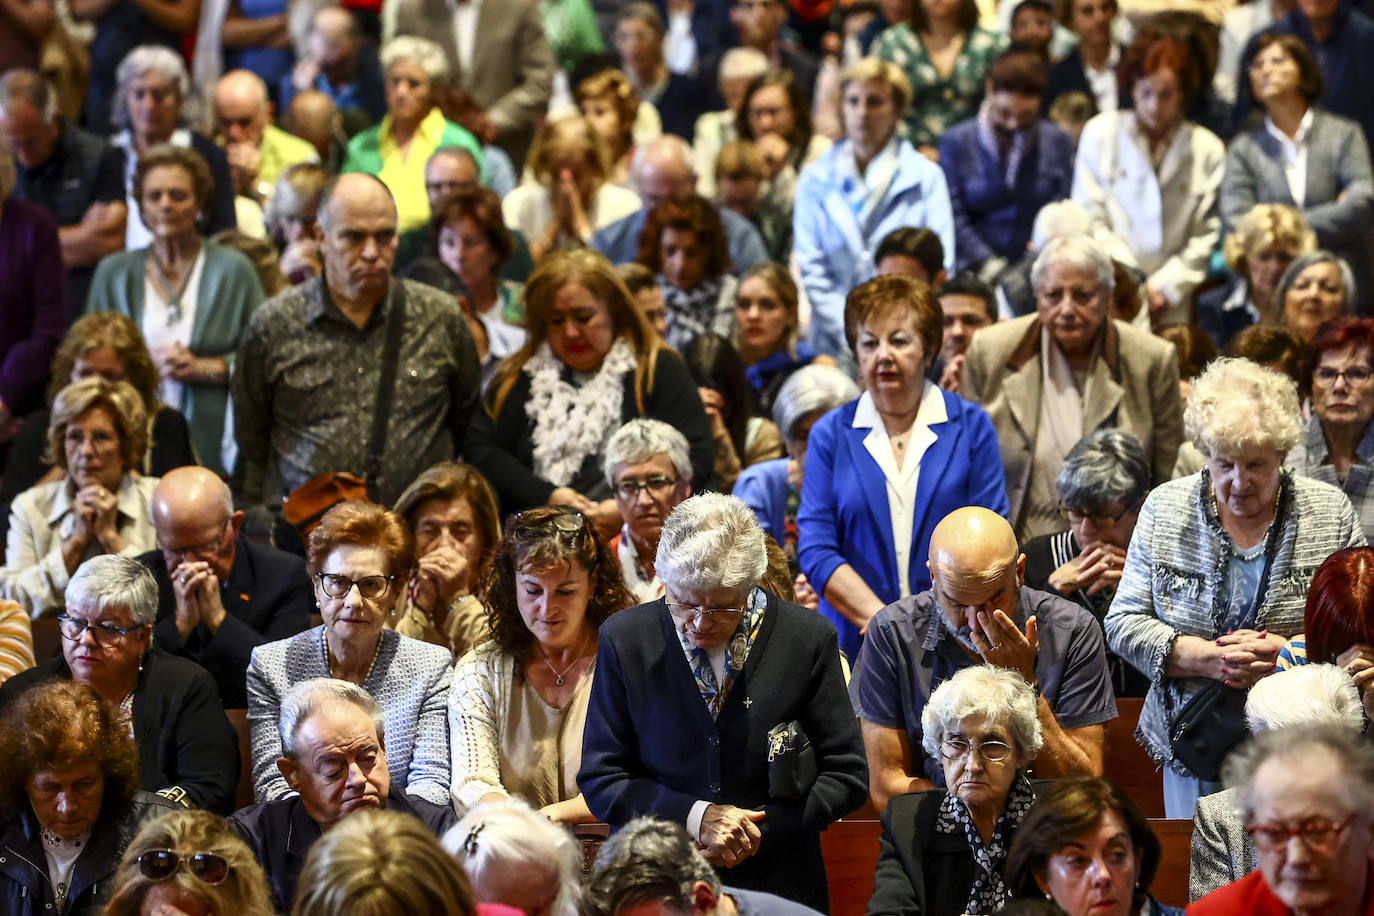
[(312, 116), (334, 42), (194, 519), (242, 107), (192, 491), (663, 169), (975, 565)]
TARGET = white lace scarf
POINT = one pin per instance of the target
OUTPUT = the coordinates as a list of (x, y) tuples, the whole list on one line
[(571, 422)]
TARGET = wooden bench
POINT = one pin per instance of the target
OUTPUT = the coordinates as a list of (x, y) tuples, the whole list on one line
[(1127, 764), (243, 796), (47, 639)]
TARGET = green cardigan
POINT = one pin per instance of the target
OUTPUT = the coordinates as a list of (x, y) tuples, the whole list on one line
[(229, 291)]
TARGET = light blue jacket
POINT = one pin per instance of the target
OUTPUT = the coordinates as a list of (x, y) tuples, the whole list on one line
[(835, 253)]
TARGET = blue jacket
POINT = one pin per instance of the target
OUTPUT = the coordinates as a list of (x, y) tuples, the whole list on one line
[(620, 240), (991, 219), (844, 518), (835, 253)]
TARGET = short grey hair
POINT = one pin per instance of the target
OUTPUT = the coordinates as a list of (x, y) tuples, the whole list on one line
[(305, 698), (1304, 695), (1057, 220), (1235, 403), (454, 151), (642, 439), (1102, 468), (711, 541), (151, 59), (809, 389), (1320, 256), (742, 64), (649, 860), (25, 85), (1354, 755), (999, 694), (296, 194), (1075, 251), (113, 582), (426, 54), (510, 838)]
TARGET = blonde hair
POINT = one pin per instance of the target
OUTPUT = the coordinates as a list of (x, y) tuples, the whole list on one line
[(572, 131), (1235, 403), (124, 406), (1264, 225), (614, 85), (873, 68)]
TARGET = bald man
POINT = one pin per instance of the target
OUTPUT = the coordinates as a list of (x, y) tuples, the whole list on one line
[(219, 594), (258, 151), (979, 612)]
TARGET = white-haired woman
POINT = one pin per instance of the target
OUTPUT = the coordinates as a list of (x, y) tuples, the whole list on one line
[(1316, 288), (153, 105), (397, 149), (692, 691), (943, 850), (1216, 575), (515, 856), (649, 469)]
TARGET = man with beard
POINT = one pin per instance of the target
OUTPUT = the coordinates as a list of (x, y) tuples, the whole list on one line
[(649, 468), (979, 612)]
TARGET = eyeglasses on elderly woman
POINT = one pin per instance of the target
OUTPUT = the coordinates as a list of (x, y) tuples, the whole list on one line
[(1316, 834), (161, 864), (337, 586), (105, 634)]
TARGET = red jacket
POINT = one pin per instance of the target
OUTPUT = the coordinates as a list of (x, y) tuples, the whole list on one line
[(1252, 896)]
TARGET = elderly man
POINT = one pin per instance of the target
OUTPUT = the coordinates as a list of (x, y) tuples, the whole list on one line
[(688, 691), (662, 169), (73, 174), (652, 863), (340, 63), (977, 612), (310, 393), (258, 151), (334, 757), (650, 471), (1306, 796), (449, 170), (219, 594)]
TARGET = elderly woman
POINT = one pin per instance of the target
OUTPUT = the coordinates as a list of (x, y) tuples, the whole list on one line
[(360, 555), (571, 196), (153, 106), (1049, 378), (882, 470), (290, 217), (396, 149), (1337, 623), (1101, 484), (190, 298), (765, 332), (1217, 571), (610, 104), (590, 364), (1258, 248), (516, 857), (191, 862), (1336, 189), (1316, 288), (1149, 178), (672, 729), (867, 185), (943, 850), (684, 243), (451, 513), (97, 436), (742, 435), (1087, 846), (68, 800), (1314, 784), (519, 701), (170, 706), (776, 120)]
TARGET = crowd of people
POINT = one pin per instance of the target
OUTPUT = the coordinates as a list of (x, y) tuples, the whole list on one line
[(705, 418)]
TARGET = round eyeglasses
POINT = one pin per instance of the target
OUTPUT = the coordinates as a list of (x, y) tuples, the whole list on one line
[(337, 586)]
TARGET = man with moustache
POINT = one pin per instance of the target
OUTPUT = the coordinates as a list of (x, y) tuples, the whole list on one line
[(979, 612), (649, 468)]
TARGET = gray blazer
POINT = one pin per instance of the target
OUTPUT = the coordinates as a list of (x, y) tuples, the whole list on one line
[(1222, 851)]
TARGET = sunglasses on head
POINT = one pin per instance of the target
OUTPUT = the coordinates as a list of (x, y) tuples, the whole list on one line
[(161, 864)]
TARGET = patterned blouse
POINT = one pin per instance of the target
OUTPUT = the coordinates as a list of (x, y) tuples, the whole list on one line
[(938, 103)]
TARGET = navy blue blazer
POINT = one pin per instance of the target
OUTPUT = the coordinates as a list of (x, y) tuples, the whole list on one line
[(989, 217), (651, 747), (844, 517)]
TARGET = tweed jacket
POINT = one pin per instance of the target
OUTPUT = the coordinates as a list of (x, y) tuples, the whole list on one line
[(1136, 379), (409, 679), (1308, 459), (1176, 565), (1222, 851)]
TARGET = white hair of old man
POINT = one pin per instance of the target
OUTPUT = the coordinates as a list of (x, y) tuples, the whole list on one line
[(1297, 745), (1078, 251), (998, 694), (1057, 220), (1235, 404), (711, 541), (1304, 695), (507, 839), (305, 698), (114, 582), (641, 439)]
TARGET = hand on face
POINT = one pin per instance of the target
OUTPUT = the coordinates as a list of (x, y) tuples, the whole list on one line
[(1000, 642), (1358, 662)]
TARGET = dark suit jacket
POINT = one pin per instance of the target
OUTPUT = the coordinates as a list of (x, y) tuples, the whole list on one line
[(266, 597), (651, 747), (184, 739), (1068, 75)]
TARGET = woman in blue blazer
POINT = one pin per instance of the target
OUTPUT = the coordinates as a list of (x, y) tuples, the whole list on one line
[(883, 470)]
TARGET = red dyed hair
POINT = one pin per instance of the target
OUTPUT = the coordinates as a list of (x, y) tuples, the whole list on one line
[(1338, 604), (1155, 51), (1336, 334)]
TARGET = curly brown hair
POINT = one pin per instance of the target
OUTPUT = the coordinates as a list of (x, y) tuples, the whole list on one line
[(119, 333), (56, 724), (202, 184), (894, 294), (534, 542), (359, 523), (614, 86), (694, 214), (483, 207)]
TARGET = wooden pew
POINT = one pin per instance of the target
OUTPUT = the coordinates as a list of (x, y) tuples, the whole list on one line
[(1126, 763), (1176, 841), (47, 639), (243, 796)]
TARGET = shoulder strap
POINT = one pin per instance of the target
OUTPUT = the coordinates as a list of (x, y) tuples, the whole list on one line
[(386, 387)]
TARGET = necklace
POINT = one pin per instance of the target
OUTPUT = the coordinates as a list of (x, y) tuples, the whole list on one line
[(559, 676), (329, 658)]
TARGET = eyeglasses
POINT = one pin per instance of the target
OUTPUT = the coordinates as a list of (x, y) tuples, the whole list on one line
[(105, 634), (161, 864), (959, 748), (1355, 376), (1318, 835), (682, 613), (1078, 516), (657, 486), (446, 188), (208, 548), (336, 586)]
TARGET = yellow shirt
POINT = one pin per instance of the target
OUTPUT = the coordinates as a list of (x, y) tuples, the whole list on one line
[(279, 151), (404, 173)]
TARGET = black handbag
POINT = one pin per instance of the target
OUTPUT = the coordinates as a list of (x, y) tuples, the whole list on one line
[(791, 761), (1208, 727)]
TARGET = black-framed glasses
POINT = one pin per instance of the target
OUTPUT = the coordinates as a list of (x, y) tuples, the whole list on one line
[(1318, 834), (658, 485), (161, 864), (990, 750), (337, 586), (685, 612), (1077, 516), (105, 634), (1326, 377)]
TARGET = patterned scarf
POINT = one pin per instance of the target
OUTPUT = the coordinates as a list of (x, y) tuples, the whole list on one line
[(741, 642), (989, 893), (690, 312)]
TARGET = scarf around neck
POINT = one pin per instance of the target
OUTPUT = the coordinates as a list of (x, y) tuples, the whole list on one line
[(572, 422)]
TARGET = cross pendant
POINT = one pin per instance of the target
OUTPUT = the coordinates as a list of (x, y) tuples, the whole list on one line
[(748, 701)]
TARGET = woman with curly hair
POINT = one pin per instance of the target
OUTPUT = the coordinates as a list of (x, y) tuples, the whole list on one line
[(519, 701), (69, 803), (610, 105), (684, 243)]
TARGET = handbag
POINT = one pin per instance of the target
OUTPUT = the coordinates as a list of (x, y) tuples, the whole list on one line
[(791, 761)]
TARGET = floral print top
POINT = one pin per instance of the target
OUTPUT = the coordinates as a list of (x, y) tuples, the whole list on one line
[(938, 103)]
